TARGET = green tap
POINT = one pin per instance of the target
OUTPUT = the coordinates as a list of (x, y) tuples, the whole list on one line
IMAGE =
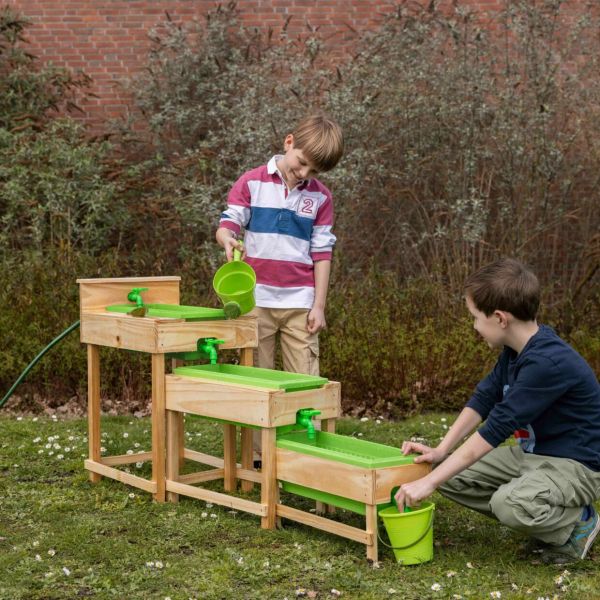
[(135, 295), (304, 419), (208, 347)]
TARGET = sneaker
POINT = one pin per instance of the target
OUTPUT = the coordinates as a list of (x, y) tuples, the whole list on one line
[(578, 544)]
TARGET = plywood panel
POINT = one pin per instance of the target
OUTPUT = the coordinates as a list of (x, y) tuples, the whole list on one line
[(389, 477), (327, 399), (230, 402), (99, 293), (324, 475), (180, 336)]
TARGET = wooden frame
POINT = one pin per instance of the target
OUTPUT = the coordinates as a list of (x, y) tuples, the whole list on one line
[(155, 336)]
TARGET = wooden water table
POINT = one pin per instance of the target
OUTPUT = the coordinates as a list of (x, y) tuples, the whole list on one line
[(166, 329), (332, 469)]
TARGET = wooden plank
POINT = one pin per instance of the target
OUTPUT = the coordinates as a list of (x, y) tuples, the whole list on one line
[(200, 477), (389, 477), (125, 459), (229, 454), (325, 475), (119, 331), (371, 519), (269, 492), (246, 360), (217, 498), (93, 360), (246, 404), (284, 406), (247, 457), (217, 400), (204, 459), (178, 336), (128, 478), (99, 293), (158, 425), (215, 461), (249, 475), (341, 529), (173, 463)]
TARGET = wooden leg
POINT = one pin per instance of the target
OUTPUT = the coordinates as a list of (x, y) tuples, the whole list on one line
[(174, 434), (93, 358), (327, 425), (229, 456), (269, 491), (158, 425), (247, 462), (372, 529), (247, 360), (176, 362)]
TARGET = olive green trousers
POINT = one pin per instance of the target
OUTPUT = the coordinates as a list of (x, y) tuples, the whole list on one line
[(541, 496)]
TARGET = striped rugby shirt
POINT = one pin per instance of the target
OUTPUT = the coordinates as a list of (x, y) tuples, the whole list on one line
[(286, 232)]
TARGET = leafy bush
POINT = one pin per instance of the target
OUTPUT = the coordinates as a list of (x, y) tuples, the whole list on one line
[(464, 143)]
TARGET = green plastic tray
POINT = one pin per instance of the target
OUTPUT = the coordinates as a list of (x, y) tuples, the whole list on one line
[(174, 311), (345, 449), (253, 376)]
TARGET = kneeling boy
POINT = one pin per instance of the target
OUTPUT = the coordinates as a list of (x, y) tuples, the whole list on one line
[(545, 394)]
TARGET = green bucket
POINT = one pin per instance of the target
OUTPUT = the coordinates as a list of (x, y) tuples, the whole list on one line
[(234, 284), (410, 533)]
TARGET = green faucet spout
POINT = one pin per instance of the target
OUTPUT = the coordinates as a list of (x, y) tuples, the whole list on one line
[(135, 295), (209, 347), (304, 419)]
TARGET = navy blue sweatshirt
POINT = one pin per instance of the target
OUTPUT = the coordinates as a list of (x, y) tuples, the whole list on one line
[(547, 395)]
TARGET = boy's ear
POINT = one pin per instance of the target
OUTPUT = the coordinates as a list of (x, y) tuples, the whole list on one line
[(288, 143), (502, 318)]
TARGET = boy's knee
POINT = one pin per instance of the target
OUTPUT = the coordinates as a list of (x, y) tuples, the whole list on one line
[(528, 501)]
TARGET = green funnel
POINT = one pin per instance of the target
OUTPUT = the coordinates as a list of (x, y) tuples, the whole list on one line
[(234, 284)]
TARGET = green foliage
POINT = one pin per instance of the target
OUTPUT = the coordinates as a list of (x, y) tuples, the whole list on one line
[(401, 348), (53, 193)]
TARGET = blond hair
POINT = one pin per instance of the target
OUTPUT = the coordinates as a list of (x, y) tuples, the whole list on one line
[(320, 139)]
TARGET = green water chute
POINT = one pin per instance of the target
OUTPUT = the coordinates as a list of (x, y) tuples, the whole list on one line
[(234, 283), (36, 359)]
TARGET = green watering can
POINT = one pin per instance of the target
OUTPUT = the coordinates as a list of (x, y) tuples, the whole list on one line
[(234, 284)]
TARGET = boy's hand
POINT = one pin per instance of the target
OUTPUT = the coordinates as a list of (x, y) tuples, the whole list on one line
[(427, 454), (227, 239), (232, 244), (411, 494), (316, 320)]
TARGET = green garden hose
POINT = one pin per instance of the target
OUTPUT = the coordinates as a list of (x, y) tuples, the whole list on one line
[(35, 360)]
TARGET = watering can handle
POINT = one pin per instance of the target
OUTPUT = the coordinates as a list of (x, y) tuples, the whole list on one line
[(237, 253)]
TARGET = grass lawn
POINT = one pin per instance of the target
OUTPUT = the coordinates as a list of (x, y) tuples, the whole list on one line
[(62, 537)]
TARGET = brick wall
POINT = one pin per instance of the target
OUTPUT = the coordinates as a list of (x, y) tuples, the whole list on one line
[(108, 39)]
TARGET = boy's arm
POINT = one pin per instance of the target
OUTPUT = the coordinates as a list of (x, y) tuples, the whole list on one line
[(410, 494), (316, 317), (467, 420)]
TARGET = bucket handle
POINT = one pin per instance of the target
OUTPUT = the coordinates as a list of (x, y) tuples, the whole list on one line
[(429, 525)]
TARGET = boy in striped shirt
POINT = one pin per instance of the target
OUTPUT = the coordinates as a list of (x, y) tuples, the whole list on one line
[(287, 216)]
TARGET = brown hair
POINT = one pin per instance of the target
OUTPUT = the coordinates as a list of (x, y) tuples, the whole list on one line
[(320, 139), (505, 284)]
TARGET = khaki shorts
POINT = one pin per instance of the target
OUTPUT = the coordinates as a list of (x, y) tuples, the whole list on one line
[(299, 349)]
